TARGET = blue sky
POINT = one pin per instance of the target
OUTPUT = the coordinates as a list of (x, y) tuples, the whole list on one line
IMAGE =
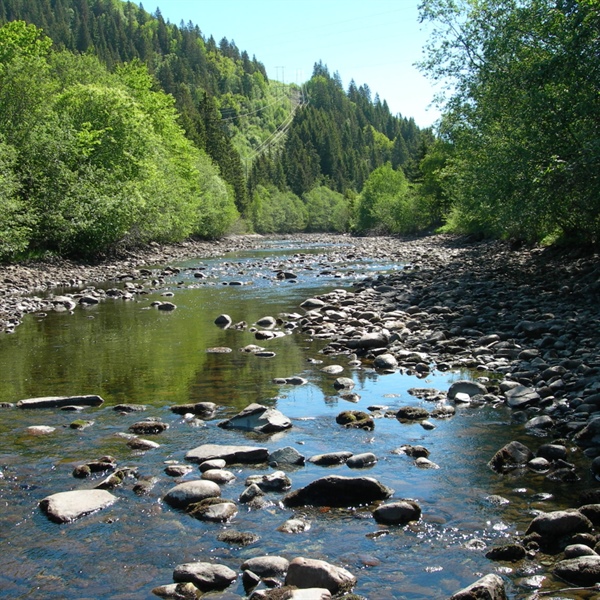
[(375, 42)]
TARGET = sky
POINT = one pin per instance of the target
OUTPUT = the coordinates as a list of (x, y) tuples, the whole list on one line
[(374, 42)]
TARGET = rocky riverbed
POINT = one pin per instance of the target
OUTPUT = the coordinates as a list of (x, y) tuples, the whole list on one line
[(524, 323)]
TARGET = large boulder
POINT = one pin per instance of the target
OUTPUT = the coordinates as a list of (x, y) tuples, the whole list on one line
[(489, 587), (259, 418), (521, 397), (205, 576), (313, 573), (68, 506), (190, 492), (559, 523), (230, 454), (339, 491)]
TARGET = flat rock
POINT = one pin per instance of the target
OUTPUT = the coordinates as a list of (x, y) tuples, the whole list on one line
[(59, 401), (219, 512), (313, 573), (230, 454), (362, 461), (339, 491), (287, 456), (330, 458), (259, 418), (189, 492), (205, 576), (464, 386), (68, 506), (521, 397)]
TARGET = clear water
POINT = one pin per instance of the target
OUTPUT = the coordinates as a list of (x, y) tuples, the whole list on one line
[(128, 352)]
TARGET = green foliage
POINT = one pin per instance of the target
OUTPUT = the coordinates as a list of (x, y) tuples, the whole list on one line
[(524, 119), (274, 211), (326, 210)]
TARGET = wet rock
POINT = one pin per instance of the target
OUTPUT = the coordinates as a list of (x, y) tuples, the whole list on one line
[(361, 461), (552, 452), (230, 454), (400, 512), (259, 418), (425, 463), (312, 573), (190, 492), (273, 482), (238, 538), (266, 322), (343, 383), (80, 424), (220, 476), (589, 436), (540, 422), (205, 576), (250, 493), (539, 464), (178, 591), (511, 456), (338, 491), (411, 413), (40, 430), (267, 566), (556, 524), (332, 369), (286, 456), (204, 410), (293, 593), (167, 306), (507, 553), (65, 507), (221, 511), (294, 526), (136, 443), (223, 321), (355, 419), (592, 512), (59, 401), (369, 341), (583, 570), (149, 427), (311, 303), (412, 451), (577, 550), (219, 350), (330, 458), (178, 470), (489, 587)]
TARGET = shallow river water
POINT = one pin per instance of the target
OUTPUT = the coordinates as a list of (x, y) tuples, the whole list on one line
[(128, 352)]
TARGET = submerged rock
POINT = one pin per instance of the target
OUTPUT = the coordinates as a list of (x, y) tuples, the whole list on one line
[(230, 454), (59, 401), (259, 418)]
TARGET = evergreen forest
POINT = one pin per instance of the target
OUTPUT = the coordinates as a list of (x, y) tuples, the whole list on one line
[(118, 128)]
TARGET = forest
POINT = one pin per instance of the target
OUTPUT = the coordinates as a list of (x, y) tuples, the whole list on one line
[(118, 128)]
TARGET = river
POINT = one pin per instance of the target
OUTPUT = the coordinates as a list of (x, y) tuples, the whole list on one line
[(129, 352)]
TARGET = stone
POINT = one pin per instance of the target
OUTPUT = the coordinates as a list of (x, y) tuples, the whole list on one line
[(167, 306), (582, 571), (558, 523), (266, 322), (178, 470), (178, 591), (400, 512), (205, 576), (238, 538), (509, 457), (220, 476), (343, 383), (294, 526), (267, 566), (59, 401), (40, 430), (250, 493), (286, 456), (273, 482), (355, 419), (385, 362), (489, 587), (189, 492), (540, 422), (338, 491), (577, 550), (65, 507), (369, 341), (362, 461), (223, 321), (464, 386), (259, 418), (148, 427), (411, 413), (507, 553), (218, 512), (330, 458), (521, 397), (313, 573), (332, 369), (230, 454), (207, 465), (205, 410)]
